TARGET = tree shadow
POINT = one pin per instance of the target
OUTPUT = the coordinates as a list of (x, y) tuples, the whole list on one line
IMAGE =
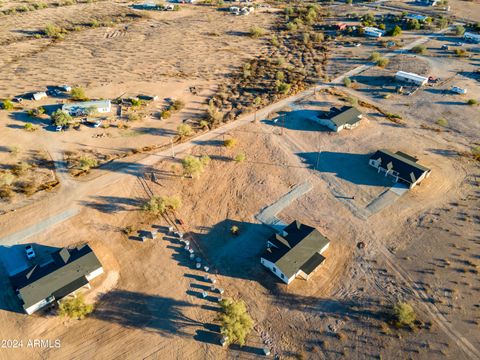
[(113, 204)]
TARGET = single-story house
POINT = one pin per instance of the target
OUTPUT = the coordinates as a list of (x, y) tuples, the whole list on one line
[(472, 37), (411, 78), (68, 271), (373, 32), (347, 117), (418, 17), (402, 167), (39, 95), (86, 107), (297, 252)]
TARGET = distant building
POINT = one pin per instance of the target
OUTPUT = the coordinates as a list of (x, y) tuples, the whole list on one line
[(418, 17), (373, 32), (347, 117), (411, 78), (472, 37), (427, 2), (86, 107), (68, 271), (39, 95), (402, 167), (146, 6), (297, 252)]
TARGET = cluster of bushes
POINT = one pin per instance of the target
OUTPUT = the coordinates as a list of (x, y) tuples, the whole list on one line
[(419, 49), (174, 106), (160, 205), (193, 166), (378, 59), (7, 105)]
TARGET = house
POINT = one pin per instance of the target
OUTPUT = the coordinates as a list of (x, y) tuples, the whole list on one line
[(86, 107), (411, 78), (472, 37), (402, 167), (68, 271), (418, 17), (347, 117), (427, 2), (39, 95), (373, 32), (297, 252)]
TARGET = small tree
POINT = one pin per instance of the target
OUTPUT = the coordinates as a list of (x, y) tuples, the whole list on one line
[(7, 105), (419, 49), (229, 143), (177, 105), (403, 315), (382, 62), (347, 81), (184, 130), (240, 157), (396, 31), (86, 163), (235, 230), (75, 307), (29, 127), (192, 166), (442, 122), (78, 94), (160, 205), (53, 31), (236, 323), (256, 32), (459, 30), (61, 118), (204, 124), (374, 56)]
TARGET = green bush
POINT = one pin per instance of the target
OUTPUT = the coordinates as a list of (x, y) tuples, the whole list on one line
[(375, 56), (472, 102), (460, 52), (78, 94), (396, 31), (29, 127), (382, 62), (459, 30), (86, 163), (75, 307), (204, 124), (403, 315), (192, 166), (177, 105), (236, 323), (53, 31), (61, 118), (7, 105), (165, 114), (257, 32), (347, 81), (235, 230), (283, 88), (157, 205), (240, 157), (442, 122), (229, 143), (184, 130), (419, 49)]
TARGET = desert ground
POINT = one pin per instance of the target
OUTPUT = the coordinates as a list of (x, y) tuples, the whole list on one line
[(419, 246)]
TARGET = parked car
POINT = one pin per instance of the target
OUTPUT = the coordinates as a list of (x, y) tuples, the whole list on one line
[(29, 251), (59, 128), (97, 124), (459, 44), (458, 90), (444, 47)]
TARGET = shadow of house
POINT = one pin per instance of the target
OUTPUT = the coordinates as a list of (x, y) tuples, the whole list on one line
[(302, 120), (350, 167), (162, 315)]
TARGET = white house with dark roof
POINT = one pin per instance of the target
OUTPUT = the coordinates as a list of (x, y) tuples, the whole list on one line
[(68, 271), (347, 117), (297, 252), (86, 107)]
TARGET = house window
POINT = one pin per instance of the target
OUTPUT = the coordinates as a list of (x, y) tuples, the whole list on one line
[(274, 270), (282, 276)]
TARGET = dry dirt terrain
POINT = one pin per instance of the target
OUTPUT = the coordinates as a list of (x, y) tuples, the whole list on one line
[(421, 246)]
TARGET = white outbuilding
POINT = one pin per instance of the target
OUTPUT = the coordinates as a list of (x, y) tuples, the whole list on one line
[(472, 37), (411, 78)]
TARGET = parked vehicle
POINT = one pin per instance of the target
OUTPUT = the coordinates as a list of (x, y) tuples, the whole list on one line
[(458, 90), (59, 128), (97, 124), (444, 47), (29, 251)]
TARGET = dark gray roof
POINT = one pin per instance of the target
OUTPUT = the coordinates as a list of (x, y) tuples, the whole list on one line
[(296, 249), (348, 115), (312, 263), (65, 273), (405, 165)]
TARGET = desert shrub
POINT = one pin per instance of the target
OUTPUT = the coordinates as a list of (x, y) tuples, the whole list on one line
[(236, 323), (205, 160), (21, 168), (318, 37), (274, 41), (86, 163), (442, 122), (36, 112), (53, 31), (27, 187), (413, 24), (282, 87), (460, 52), (165, 114), (7, 105), (204, 124), (214, 116), (476, 153), (6, 178), (403, 315), (280, 75), (229, 143), (61, 118), (29, 127), (235, 230), (184, 130), (240, 157), (472, 102), (136, 102), (133, 116), (347, 81), (158, 205), (177, 105), (6, 192), (375, 56), (459, 30), (291, 26), (419, 49), (78, 94), (382, 62), (192, 166), (352, 101), (75, 307), (257, 32)]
